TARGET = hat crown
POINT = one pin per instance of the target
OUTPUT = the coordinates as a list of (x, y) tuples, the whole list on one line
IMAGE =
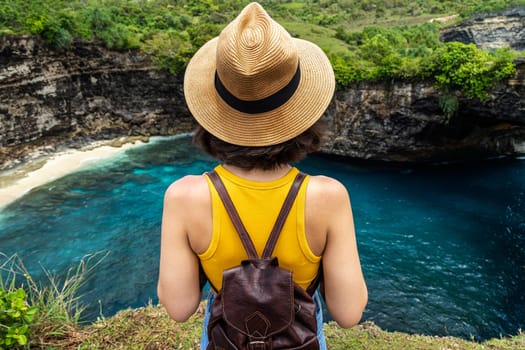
[(255, 85), (256, 56)]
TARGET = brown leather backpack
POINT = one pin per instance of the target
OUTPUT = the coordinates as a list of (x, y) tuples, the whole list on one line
[(260, 307)]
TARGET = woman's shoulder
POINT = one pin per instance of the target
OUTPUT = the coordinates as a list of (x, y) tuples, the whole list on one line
[(188, 187), (327, 193), (326, 186)]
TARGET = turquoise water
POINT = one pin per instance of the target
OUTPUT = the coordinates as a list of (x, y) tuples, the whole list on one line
[(442, 247)]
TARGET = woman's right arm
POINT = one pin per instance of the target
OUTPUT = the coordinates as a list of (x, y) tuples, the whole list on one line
[(178, 285), (346, 294)]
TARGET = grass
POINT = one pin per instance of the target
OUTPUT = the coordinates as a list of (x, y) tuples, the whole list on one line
[(151, 328), (369, 336), (322, 36), (57, 324), (57, 300)]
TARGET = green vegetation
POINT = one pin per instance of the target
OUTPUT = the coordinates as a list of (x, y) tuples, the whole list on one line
[(15, 316), (151, 328), (34, 312), (467, 68), (47, 316), (368, 40)]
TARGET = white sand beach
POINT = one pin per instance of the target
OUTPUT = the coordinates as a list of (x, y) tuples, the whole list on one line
[(21, 181)]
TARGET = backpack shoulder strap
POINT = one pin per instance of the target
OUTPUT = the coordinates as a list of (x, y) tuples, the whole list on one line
[(234, 215), (317, 281), (237, 222), (283, 214)]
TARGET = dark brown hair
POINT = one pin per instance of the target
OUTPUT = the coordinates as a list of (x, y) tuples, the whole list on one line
[(260, 157)]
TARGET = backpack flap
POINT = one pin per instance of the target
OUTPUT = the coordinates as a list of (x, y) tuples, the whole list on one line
[(258, 298)]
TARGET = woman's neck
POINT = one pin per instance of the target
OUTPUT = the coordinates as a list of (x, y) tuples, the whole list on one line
[(259, 175)]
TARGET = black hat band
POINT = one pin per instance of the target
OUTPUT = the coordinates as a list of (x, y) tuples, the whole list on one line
[(259, 106)]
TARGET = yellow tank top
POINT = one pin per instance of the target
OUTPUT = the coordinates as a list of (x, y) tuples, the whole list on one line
[(258, 204)]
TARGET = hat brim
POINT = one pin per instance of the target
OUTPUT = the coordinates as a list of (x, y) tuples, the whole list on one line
[(302, 110)]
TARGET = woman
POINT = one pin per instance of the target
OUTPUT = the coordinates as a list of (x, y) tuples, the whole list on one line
[(257, 94)]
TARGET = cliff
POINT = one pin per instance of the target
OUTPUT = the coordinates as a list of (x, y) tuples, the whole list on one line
[(402, 121), (54, 97), (491, 31)]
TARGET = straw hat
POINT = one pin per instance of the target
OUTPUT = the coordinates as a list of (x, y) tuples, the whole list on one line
[(255, 85)]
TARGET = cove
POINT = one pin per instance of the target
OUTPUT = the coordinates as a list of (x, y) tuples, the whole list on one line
[(442, 246)]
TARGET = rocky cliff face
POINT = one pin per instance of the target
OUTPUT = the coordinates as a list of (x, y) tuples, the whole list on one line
[(491, 31), (402, 121), (50, 97)]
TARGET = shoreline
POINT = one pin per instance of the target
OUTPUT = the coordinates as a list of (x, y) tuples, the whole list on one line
[(16, 182)]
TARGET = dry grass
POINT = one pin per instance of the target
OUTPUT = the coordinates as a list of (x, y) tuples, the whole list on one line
[(150, 328), (146, 328)]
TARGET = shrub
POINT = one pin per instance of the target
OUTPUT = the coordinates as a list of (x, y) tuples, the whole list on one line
[(171, 50), (377, 52), (15, 317), (49, 310), (449, 104), (346, 70), (502, 63), (376, 48), (466, 68)]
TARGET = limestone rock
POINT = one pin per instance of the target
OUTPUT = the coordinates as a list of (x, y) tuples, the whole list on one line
[(505, 29), (86, 91), (402, 121), (52, 97)]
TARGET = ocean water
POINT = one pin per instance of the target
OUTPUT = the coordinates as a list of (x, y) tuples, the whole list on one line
[(442, 246)]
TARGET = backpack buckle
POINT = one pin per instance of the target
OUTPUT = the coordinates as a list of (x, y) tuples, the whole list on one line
[(258, 345)]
